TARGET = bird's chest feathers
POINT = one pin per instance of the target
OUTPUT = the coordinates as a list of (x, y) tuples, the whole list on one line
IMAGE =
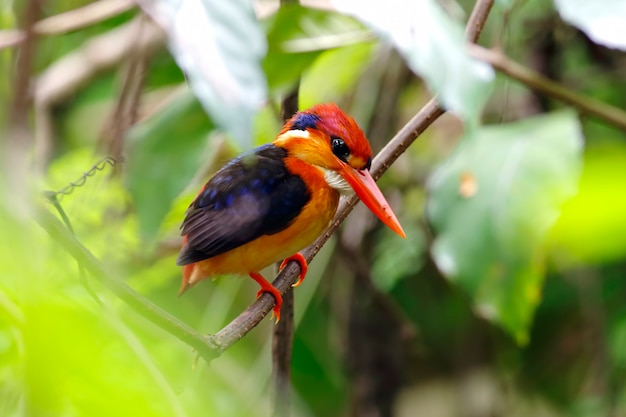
[(319, 210)]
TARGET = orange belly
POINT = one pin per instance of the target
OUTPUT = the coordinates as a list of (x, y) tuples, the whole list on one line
[(255, 255)]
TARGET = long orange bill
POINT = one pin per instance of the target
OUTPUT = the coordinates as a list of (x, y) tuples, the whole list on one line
[(365, 187)]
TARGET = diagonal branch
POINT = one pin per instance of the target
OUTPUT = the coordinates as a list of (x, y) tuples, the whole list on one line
[(282, 339), (211, 346), (253, 315), (66, 22), (63, 236), (541, 84)]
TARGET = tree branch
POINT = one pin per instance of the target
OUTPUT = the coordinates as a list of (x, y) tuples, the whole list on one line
[(282, 338), (69, 21), (476, 21), (211, 346), (205, 346), (253, 315), (541, 84)]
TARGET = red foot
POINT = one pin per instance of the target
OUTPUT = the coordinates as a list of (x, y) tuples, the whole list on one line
[(267, 287), (304, 267)]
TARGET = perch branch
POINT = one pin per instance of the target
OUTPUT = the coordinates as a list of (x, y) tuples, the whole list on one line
[(541, 84), (61, 235), (282, 338), (253, 315), (209, 347)]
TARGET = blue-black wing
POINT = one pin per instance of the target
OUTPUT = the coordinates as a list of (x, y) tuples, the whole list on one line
[(253, 195)]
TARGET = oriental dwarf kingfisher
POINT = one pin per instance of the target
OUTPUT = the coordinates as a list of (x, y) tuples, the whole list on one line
[(271, 202)]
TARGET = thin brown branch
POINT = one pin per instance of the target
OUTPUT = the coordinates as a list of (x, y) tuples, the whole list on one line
[(16, 141), (62, 235), (126, 108), (541, 84), (209, 347), (253, 315), (69, 21), (476, 21), (24, 63), (282, 339), (64, 77)]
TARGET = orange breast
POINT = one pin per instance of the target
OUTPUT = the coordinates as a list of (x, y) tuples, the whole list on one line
[(314, 218)]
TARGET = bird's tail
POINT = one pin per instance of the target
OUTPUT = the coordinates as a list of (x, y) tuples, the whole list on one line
[(187, 273)]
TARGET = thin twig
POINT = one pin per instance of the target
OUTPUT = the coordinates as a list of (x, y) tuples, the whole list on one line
[(253, 315), (125, 111), (282, 340), (25, 59), (476, 21), (61, 80), (209, 347), (69, 21), (16, 142), (62, 236), (541, 84)]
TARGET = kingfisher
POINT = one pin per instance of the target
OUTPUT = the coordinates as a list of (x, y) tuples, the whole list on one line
[(272, 201)]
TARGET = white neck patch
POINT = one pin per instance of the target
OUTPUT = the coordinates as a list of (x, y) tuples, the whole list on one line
[(336, 181)]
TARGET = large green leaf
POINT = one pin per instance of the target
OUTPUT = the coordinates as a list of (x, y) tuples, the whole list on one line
[(492, 203), (602, 20), (333, 74), (163, 155), (433, 44), (297, 35), (589, 231), (219, 45)]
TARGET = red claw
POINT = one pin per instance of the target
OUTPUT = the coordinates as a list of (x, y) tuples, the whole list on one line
[(304, 266), (267, 287)]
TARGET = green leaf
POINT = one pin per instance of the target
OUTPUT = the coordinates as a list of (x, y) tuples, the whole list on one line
[(219, 45), (589, 232), (602, 20), (492, 203), (395, 259), (297, 35), (333, 73), (433, 44), (163, 155)]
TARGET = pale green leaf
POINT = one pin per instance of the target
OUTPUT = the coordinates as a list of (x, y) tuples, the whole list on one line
[(589, 231), (297, 35), (163, 155), (433, 44), (219, 45), (602, 20), (492, 203)]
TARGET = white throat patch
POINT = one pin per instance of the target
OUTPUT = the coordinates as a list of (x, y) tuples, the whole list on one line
[(336, 181)]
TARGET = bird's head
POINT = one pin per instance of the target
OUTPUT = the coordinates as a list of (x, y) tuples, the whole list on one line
[(328, 139)]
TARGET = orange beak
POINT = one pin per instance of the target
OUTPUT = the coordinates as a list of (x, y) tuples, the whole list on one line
[(365, 187)]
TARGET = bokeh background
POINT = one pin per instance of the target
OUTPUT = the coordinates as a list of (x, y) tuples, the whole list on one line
[(508, 297)]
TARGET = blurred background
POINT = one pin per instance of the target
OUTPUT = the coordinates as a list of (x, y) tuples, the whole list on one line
[(508, 297)]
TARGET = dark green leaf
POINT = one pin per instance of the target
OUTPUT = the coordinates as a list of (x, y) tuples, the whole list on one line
[(492, 203), (297, 36), (163, 155)]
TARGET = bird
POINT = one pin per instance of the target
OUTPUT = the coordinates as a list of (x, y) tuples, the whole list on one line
[(272, 201)]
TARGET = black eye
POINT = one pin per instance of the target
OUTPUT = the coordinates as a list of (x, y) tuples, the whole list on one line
[(340, 149)]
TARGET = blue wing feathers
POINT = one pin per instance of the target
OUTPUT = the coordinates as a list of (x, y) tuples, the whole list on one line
[(251, 196)]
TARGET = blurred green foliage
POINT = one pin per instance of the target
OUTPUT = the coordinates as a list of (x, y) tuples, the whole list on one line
[(491, 204), (382, 325)]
